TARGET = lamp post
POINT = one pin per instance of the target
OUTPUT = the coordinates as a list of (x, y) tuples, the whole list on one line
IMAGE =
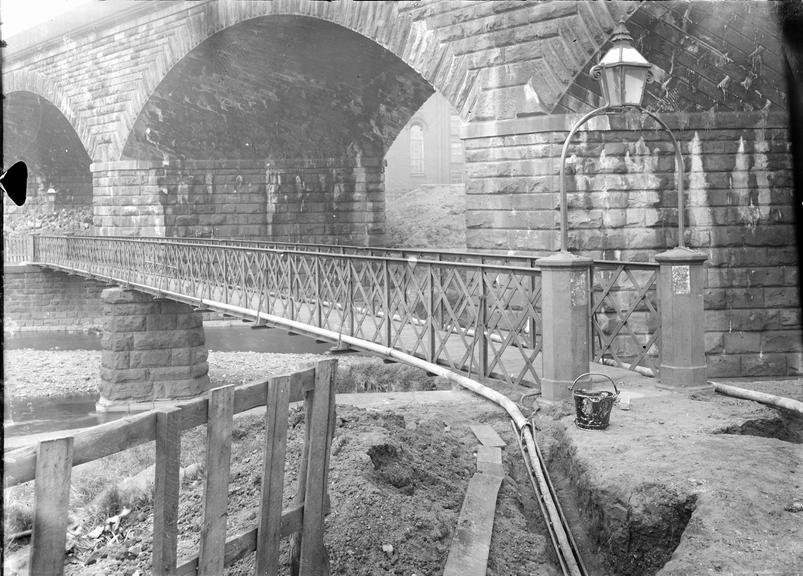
[(623, 74)]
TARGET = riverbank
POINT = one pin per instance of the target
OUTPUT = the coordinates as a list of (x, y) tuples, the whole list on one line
[(54, 374)]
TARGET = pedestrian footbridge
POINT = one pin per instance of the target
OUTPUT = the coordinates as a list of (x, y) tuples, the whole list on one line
[(482, 315)]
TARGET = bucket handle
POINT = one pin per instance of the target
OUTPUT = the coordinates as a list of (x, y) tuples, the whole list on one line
[(571, 388)]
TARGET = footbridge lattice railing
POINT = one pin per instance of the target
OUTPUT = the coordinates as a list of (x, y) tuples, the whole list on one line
[(476, 313)]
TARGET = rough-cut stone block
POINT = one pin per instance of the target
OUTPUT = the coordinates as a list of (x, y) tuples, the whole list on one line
[(116, 376), (166, 373), (150, 358), (123, 296), (115, 360), (184, 388), (780, 341), (741, 342), (122, 324), (113, 341), (763, 364), (160, 322), (722, 365), (132, 391)]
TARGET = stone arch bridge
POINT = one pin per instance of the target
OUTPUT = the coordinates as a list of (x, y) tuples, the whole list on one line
[(270, 120)]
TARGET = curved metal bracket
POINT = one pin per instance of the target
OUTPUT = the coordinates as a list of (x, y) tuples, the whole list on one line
[(679, 172)]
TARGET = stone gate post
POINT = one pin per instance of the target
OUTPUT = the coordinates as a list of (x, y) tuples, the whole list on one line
[(680, 288), (564, 303)]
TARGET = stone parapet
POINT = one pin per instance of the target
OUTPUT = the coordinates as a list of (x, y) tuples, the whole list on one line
[(152, 350)]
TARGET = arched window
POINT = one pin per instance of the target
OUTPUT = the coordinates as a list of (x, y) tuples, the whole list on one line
[(416, 149)]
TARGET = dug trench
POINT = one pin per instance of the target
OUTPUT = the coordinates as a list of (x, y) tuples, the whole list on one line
[(621, 533)]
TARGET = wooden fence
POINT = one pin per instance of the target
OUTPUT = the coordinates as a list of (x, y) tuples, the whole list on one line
[(50, 464)]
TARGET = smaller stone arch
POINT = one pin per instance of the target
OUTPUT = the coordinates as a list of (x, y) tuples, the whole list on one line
[(52, 91)]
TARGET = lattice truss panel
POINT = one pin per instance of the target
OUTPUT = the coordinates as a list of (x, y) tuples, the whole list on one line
[(625, 320)]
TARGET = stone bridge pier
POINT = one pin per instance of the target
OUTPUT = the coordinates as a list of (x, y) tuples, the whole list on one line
[(153, 349)]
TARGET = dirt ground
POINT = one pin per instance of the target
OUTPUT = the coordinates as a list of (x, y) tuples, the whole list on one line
[(688, 483), (680, 484)]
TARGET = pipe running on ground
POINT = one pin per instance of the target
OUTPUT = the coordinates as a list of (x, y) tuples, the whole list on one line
[(762, 397)]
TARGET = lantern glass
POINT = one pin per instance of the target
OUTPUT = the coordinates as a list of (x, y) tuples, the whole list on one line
[(635, 80), (610, 86)]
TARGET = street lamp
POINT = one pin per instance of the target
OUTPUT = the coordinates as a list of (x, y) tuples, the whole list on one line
[(623, 74)]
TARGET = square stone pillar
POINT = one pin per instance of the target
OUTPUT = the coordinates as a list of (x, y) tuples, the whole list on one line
[(152, 350), (680, 287), (565, 315)]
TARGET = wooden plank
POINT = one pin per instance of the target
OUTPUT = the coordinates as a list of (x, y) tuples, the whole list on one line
[(487, 435), (468, 553), (489, 460), (88, 445), (166, 485), (54, 463), (314, 560), (216, 486), (278, 400)]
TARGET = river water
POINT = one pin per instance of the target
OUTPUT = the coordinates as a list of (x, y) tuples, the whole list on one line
[(41, 416)]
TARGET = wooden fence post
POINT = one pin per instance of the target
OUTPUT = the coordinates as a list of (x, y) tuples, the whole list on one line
[(270, 510), (166, 485), (51, 503), (314, 559), (216, 486)]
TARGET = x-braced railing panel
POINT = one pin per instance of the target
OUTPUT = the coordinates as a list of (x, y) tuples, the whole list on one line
[(625, 319)]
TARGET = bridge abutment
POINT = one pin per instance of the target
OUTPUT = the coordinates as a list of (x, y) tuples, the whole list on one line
[(152, 350)]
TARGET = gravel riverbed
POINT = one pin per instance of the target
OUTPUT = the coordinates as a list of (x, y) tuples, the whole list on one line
[(52, 374)]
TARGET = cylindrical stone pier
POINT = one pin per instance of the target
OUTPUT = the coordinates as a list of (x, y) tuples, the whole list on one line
[(152, 350), (682, 318), (564, 305)]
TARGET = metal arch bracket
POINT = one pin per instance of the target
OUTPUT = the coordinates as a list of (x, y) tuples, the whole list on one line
[(679, 171)]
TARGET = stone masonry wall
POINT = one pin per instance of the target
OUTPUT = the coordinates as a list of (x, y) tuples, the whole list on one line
[(623, 206), (127, 200), (294, 201), (38, 299), (152, 349), (214, 199)]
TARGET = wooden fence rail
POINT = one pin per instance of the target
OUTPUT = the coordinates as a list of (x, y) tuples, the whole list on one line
[(50, 464)]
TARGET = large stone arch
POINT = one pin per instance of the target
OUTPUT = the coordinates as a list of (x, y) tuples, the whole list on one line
[(381, 22)]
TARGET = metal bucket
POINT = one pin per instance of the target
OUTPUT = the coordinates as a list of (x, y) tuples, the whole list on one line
[(593, 407)]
